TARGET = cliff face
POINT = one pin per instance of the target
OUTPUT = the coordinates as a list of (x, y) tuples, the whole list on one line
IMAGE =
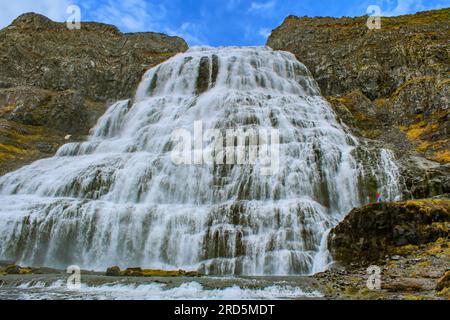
[(390, 84), (56, 82), (409, 241)]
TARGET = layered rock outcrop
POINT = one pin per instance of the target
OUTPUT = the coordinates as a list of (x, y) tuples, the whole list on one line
[(370, 233), (56, 82)]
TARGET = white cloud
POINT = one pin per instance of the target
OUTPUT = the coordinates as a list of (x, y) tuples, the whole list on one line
[(262, 6), (129, 15), (401, 7), (232, 4), (190, 32), (54, 9), (264, 32), (404, 7)]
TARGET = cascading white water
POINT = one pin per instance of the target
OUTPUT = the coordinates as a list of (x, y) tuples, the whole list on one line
[(118, 199)]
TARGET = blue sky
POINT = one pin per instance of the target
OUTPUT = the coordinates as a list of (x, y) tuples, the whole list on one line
[(208, 22)]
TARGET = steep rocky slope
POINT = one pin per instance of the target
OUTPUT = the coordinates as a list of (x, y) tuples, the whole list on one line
[(56, 82), (390, 84)]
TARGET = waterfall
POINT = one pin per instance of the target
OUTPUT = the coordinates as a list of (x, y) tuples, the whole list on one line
[(119, 199)]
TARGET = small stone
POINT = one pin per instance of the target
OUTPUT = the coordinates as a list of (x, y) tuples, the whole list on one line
[(396, 257), (418, 110), (13, 269), (133, 272)]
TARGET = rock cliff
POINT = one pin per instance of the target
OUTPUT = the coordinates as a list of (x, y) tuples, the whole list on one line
[(390, 84), (56, 82)]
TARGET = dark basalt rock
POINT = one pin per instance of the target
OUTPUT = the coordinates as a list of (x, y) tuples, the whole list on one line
[(12, 269), (204, 73), (370, 233), (215, 69), (139, 272), (113, 271)]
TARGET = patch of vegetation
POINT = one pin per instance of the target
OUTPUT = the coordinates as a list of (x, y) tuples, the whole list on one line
[(413, 297), (442, 156), (415, 131)]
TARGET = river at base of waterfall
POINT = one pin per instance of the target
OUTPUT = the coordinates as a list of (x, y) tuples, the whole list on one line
[(95, 287)]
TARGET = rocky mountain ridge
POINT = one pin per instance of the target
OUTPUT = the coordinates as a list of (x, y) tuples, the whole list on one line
[(57, 82), (391, 84)]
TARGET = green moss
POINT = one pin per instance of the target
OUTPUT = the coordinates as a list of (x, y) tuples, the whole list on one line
[(439, 247), (413, 81), (442, 84), (389, 23), (442, 203), (424, 264), (338, 100), (442, 156), (6, 109), (444, 293), (351, 291), (164, 273), (427, 17), (5, 148), (330, 290), (26, 270), (413, 297), (416, 130)]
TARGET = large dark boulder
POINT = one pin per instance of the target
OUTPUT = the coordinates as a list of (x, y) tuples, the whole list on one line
[(371, 232), (113, 271)]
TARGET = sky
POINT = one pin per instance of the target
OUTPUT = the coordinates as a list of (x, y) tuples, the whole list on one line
[(208, 22)]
